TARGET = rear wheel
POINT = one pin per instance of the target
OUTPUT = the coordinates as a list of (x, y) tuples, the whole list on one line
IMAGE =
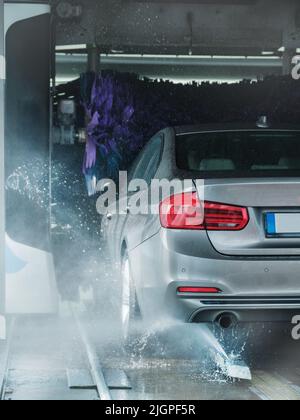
[(129, 303)]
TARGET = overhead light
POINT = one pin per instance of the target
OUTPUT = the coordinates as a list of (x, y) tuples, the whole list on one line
[(71, 47), (228, 57), (267, 52), (113, 51)]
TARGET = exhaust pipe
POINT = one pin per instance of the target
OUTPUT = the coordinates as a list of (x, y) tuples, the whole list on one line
[(226, 321)]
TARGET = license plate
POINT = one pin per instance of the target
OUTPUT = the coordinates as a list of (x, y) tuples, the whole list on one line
[(283, 224)]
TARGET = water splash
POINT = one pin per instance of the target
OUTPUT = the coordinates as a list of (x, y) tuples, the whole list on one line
[(31, 181), (66, 194), (74, 224), (166, 341)]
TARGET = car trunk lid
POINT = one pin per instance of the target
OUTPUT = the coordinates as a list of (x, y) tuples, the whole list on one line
[(266, 200)]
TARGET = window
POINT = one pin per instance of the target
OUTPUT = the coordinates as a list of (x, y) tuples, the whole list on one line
[(148, 162), (240, 153)]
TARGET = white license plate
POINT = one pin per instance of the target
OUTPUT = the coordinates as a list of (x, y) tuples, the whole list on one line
[(283, 224)]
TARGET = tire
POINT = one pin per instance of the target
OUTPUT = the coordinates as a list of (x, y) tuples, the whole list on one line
[(129, 304)]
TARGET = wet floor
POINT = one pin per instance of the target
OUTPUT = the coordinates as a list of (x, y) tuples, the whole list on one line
[(169, 364), (41, 351)]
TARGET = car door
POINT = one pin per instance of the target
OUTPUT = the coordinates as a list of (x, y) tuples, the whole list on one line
[(114, 221), (135, 226), (145, 168)]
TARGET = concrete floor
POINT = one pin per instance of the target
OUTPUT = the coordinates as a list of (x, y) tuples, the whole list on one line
[(43, 348), (41, 351)]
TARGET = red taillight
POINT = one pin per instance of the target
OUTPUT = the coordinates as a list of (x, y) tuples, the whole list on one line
[(225, 217), (206, 290), (186, 211), (182, 211)]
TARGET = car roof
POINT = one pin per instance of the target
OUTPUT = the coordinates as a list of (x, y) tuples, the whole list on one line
[(231, 126)]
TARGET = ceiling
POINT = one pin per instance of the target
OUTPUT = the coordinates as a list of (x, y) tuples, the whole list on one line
[(200, 27)]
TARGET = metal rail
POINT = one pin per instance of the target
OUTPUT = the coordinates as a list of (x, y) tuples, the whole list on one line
[(95, 365)]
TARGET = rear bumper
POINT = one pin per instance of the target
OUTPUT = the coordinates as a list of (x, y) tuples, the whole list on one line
[(244, 308), (253, 289), (247, 315)]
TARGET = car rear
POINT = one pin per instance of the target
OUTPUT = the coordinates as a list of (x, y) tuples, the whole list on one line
[(243, 257)]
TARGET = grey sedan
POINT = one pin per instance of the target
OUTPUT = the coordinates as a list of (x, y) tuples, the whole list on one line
[(227, 249)]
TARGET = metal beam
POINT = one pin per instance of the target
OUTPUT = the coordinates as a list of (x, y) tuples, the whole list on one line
[(180, 69), (287, 62), (93, 58), (169, 60), (2, 192)]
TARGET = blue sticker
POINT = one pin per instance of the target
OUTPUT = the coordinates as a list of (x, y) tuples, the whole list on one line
[(271, 224)]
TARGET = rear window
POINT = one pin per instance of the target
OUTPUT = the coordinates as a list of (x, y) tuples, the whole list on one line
[(240, 153)]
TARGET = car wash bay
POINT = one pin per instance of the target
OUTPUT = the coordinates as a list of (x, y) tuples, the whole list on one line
[(47, 359), (55, 276)]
